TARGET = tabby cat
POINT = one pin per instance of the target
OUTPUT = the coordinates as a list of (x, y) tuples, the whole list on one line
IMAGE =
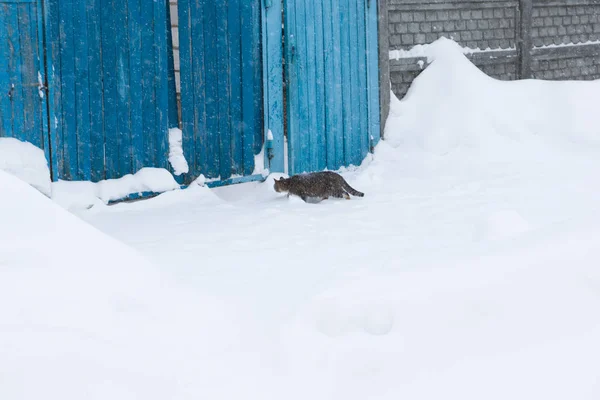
[(316, 186)]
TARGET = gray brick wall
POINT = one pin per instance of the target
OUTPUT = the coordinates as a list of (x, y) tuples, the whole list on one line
[(519, 27)]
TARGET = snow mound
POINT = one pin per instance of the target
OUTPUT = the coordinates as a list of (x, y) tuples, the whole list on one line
[(84, 316), (176, 157), (27, 162), (84, 195), (453, 105)]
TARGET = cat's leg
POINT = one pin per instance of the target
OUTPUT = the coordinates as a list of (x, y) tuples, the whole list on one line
[(346, 196)]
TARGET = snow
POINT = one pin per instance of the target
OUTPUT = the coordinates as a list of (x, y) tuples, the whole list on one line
[(84, 195), (27, 162), (468, 271), (422, 50), (176, 157)]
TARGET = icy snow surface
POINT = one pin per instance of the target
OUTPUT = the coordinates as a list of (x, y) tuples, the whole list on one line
[(27, 162), (470, 270)]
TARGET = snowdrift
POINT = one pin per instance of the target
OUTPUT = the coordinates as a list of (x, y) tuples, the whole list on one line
[(83, 316), (453, 105), (27, 162)]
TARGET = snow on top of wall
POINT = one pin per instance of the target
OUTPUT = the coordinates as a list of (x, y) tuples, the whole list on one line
[(453, 105), (425, 50)]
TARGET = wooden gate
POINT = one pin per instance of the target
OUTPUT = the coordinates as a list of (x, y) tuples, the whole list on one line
[(23, 112), (331, 60), (221, 86)]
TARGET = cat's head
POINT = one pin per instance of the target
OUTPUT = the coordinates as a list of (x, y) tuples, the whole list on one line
[(282, 185)]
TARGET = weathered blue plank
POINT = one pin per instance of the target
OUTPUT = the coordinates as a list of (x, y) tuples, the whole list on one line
[(135, 84), (28, 76), (187, 82), (248, 88), (354, 85), (148, 84), (302, 82), (42, 111), (291, 76), (161, 131), (5, 54), (110, 80), (372, 71), (82, 90), (272, 87), (224, 92), (234, 37), (346, 80), (123, 100), (320, 127), (337, 110), (311, 83), (52, 18), (211, 90), (14, 71), (363, 105), (258, 84)]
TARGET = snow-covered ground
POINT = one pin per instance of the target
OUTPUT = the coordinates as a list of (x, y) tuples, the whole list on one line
[(470, 270)]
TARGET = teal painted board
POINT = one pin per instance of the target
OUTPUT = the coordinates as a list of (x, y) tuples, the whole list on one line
[(248, 88), (320, 110), (82, 90), (363, 106), (273, 123), (51, 31), (173, 114), (123, 99), (135, 84), (311, 85), (372, 32), (95, 91), (22, 79), (235, 91), (221, 78), (161, 84), (335, 115)]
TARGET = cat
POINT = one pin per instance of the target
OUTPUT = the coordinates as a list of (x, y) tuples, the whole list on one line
[(316, 186)]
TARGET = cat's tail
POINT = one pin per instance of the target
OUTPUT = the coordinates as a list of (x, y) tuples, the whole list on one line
[(353, 191)]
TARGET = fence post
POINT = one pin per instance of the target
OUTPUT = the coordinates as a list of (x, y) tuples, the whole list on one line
[(524, 41), (384, 63)]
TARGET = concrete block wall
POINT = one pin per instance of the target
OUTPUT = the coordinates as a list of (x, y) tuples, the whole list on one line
[(518, 31)]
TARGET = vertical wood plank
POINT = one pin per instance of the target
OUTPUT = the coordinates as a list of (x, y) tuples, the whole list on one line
[(52, 31), (135, 84), (173, 113), (329, 109), (5, 54), (14, 71), (94, 55), (42, 111), (248, 94), (311, 85), (346, 80), (302, 82), (188, 72), (320, 133), (223, 90), (272, 73), (337, 120), (110, 69), (373, 72), (148, 84), (257, 81), (123, 99), (354, 85), (197, 93), (235, 84), (28, 76), (161, 82), (211, 90), (82, 91), (291, 77), (363, 104)]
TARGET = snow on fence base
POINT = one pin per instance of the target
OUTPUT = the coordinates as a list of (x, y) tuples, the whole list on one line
[(27, 162)]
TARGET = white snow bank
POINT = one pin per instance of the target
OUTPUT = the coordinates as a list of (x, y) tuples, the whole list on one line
[(176, 157), (27, 162), (453, 105), (82, 316), (77, 195), (423, 50)]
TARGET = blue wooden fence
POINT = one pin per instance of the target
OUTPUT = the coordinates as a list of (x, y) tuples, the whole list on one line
[(22, 74), (111, 93), (221, 86), (109, 87), (332, 81)]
